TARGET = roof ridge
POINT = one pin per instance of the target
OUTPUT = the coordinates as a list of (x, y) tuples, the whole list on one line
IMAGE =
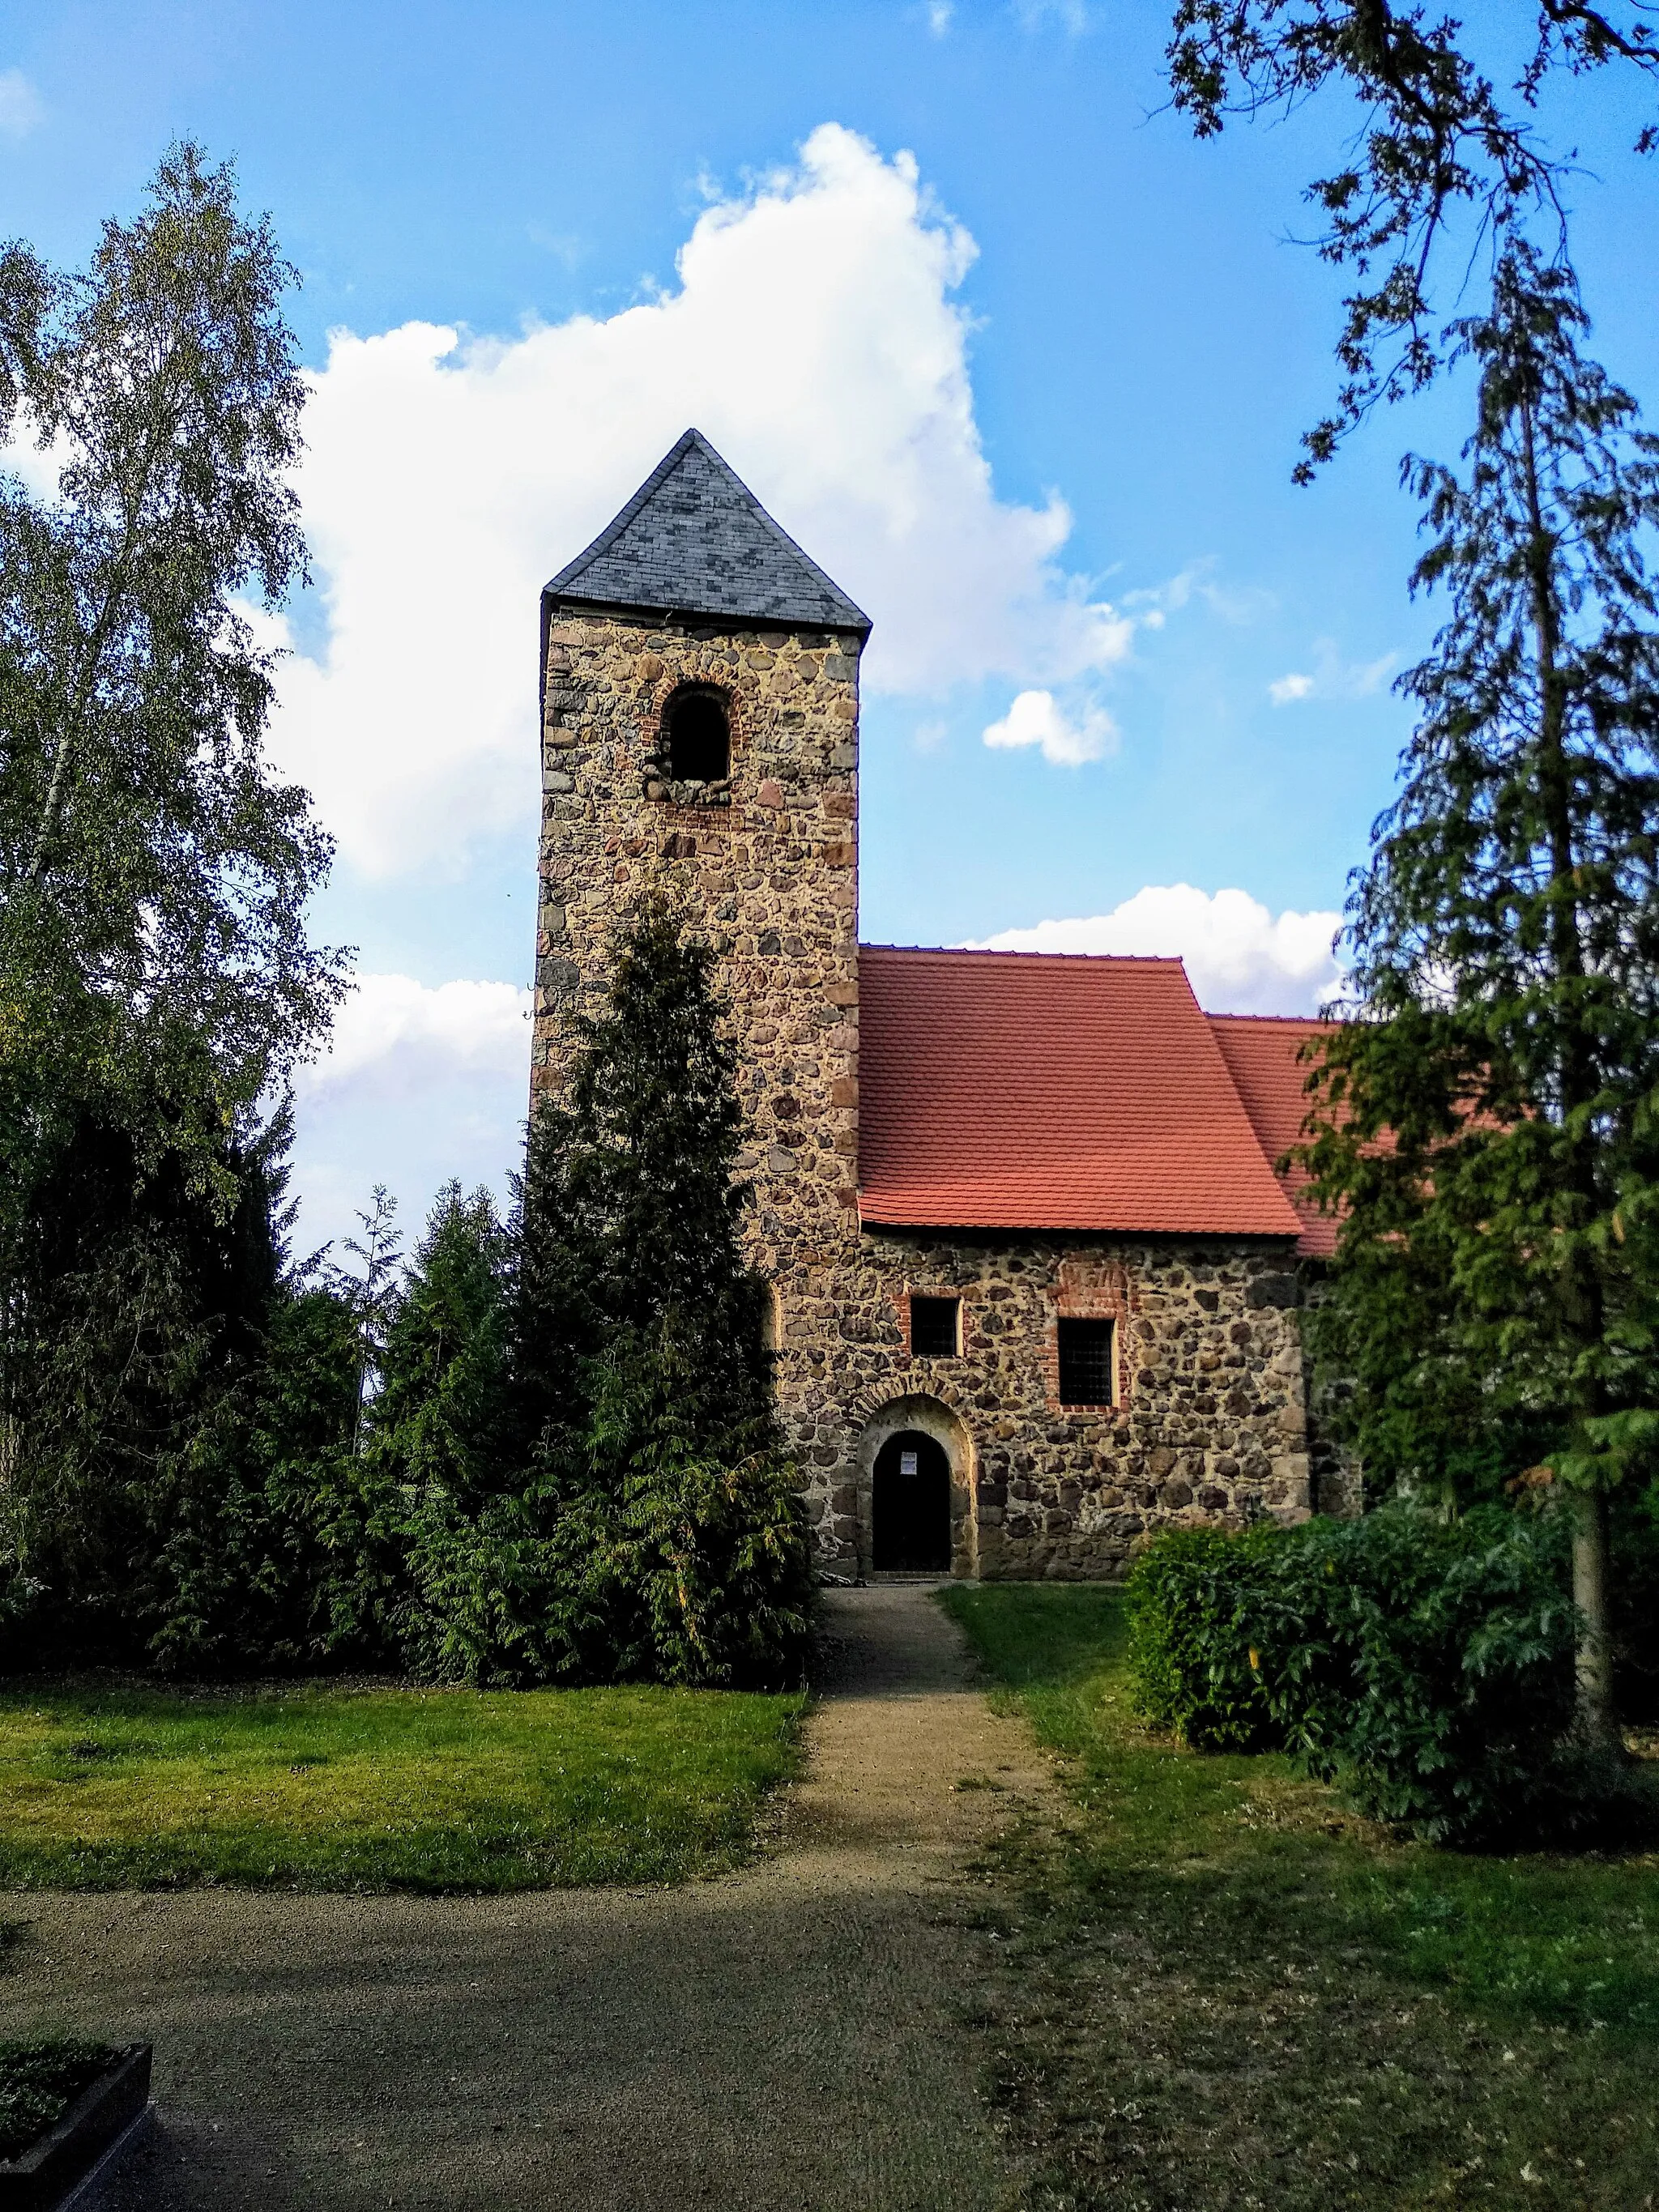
[(1012, 952)]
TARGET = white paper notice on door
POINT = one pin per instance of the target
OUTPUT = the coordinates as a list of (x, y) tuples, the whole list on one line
[(907, 1462)]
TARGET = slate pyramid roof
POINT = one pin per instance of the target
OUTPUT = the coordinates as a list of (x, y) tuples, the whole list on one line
[(694, 539)]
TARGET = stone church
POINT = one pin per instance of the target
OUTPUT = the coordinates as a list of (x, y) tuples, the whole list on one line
[(1035, 1278)]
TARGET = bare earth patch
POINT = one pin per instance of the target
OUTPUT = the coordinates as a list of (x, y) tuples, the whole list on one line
[(779, 2039)]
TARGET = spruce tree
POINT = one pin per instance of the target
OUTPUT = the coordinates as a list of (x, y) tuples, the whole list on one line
[(438, 1413), (553, 1321), (673, 1538), (654, 1198), (1489, 1117)]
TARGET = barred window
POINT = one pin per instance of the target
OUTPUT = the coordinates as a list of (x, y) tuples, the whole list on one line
[(935, 1327), (1085, 1362)]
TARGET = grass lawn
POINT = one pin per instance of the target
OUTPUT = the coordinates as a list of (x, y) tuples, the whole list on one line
[(329, 1787), (1220, 1990)]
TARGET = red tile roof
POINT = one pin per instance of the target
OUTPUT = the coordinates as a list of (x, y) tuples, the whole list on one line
[(1046, 1091), (1262, 1052)]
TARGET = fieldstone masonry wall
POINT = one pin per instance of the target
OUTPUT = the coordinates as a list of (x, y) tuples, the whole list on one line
[(1211, 1421), (769, 859)]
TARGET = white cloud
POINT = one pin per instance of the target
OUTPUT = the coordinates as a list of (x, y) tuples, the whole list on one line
[(814, 337), (22, 109), (396, 1039), (420, 1084), (940, 13), (1037, 719), (1332, 678), (1240, 958)]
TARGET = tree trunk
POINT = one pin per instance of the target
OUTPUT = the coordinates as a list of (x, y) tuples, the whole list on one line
[(1597, 1720), (1577, 1080)]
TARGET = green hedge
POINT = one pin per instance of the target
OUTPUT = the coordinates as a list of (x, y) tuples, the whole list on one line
[(1193, 1596), (1426, 1666)]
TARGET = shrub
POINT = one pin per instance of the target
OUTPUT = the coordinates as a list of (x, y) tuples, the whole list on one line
[(1426, 1666), (1192, 1602), (716, 1564)]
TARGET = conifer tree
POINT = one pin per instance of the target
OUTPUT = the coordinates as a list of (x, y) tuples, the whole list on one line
[(654, 1197), (553, 1318), (675, 1541), (1489, 1119), (1446, 164), (438, 1416)]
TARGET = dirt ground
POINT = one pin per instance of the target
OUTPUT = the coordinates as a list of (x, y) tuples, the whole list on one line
[(782, 2039)]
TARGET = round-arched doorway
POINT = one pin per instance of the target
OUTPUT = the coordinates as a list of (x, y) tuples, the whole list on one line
[(910, 1506)]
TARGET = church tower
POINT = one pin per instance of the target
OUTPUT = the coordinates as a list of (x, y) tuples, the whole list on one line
[(700, 731)]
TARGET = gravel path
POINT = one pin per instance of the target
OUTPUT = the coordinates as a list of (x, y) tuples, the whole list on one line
[(775, 2040)]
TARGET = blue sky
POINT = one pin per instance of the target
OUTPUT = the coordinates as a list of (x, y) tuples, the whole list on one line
[(632, 217)]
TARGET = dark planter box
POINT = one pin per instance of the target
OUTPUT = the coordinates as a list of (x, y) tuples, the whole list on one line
[(45, 2174)]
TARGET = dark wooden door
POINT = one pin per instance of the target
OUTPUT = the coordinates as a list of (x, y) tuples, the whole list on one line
[(911, 1507)]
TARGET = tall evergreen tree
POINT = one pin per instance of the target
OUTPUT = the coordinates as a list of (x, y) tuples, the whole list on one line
[(674, 1542), (1490, 1121), (438, 1414), (554, 1317), (139, 1308), (655, 1199)]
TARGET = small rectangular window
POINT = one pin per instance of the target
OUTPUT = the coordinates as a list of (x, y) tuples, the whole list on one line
[(1085, 1362), (934, 1328)]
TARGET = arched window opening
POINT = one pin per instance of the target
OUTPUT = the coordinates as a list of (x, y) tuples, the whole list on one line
[(699, 746)]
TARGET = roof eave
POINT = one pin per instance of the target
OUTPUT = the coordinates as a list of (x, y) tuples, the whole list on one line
[(662, 612), (873, 1219), (662, 616)]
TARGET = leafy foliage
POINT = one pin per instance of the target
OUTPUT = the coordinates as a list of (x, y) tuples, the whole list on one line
[(153, 875), (1425, 1663), (156, 979), (1191, 1603), (39, 2080)]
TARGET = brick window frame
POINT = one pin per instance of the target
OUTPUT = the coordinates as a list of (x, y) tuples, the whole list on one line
[(680, 801), (1086, 1289), (956, 1298)]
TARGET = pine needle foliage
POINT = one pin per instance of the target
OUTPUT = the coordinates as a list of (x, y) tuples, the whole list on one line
[(655, 1130), (1488, 1123), (1444, 158), (677, 1522)]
